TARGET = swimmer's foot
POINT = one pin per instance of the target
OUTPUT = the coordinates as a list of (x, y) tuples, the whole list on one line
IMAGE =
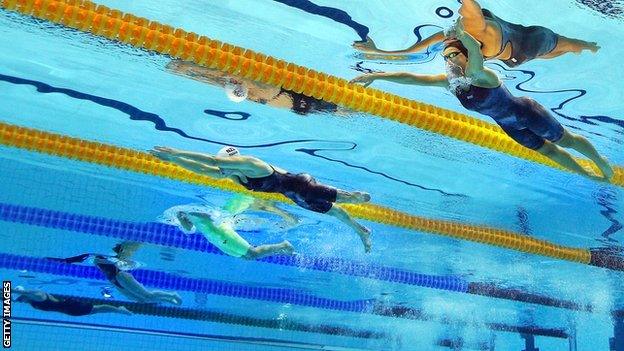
[(354, 197), (365, 236), (286, 248), (124, 310), (361, 197), (605, 168), (175, 299), (593, 47)]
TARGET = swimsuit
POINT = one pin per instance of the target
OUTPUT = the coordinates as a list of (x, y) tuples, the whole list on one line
[(523, 119), (300, 188), (221, 236), (110, 270), (72, 307), (527, 43), (303, 104)]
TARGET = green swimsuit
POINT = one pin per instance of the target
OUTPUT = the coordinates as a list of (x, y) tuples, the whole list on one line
[(221, 236)]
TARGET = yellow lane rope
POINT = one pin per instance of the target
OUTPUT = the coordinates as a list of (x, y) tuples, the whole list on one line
[(131, 160), (151, 35)]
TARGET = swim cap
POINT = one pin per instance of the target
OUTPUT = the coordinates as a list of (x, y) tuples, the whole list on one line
[(228, 151), (236, 91)]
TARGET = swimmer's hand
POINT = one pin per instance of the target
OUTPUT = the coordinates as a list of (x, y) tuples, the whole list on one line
[(163, 153), (366, 79), (366, 46), (458, 31)]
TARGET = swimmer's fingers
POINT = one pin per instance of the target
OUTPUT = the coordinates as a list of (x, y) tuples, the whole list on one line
[(365, 79), (164, 149)]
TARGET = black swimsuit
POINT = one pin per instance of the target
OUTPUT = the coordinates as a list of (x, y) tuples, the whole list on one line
[(110, 270), (72, 307), (301, 188), (303, 104)]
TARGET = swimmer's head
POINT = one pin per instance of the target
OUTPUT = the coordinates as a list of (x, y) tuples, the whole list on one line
[(228, 151), (455, 53), (236, 91)]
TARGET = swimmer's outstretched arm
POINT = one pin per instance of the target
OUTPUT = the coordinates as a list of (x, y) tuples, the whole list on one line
[(436, 80), (369, 46), (197, 167), (245, 164)]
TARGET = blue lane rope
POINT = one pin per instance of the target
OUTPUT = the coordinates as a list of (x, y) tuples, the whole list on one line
[(168, 235), (168, 281)]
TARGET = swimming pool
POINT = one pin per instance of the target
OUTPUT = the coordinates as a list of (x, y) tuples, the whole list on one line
[(414, 291)]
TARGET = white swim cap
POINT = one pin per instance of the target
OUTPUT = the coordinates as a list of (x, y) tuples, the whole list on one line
[(236, 91), (228, 151)]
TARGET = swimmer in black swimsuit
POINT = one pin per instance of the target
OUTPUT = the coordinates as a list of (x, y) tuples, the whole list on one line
[(70, 306), (257, 175), (523, 119), (511, 43), (115, 270)]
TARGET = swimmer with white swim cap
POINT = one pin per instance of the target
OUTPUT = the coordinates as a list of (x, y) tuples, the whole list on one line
[(257, 175)]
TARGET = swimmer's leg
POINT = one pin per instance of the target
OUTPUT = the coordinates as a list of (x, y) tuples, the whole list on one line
[(269, 206), (582, 145), (110, 309), (353, 197), (362, 231), (565, 45), (564, 159), (134, 288), (255, 252)]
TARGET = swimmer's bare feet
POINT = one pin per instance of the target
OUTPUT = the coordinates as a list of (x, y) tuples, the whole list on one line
[(605, 168), (365, 234), (593, 47), (124, 310), (361, 197), (175, 299), (287, 248), (354, 197)]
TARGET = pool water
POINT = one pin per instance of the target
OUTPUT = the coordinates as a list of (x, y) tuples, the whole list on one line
[(59, 80)]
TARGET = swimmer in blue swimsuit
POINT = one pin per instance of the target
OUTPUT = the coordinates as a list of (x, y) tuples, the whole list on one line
[(70, 306), (514, 44), (115, 269), (257, 175), (523, 119)]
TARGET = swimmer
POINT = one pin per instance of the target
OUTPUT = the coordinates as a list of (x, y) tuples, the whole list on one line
[(70, 306), (227, 239), (239, 89), (498, 39), (479, 89), (115, 270), (257, 175)]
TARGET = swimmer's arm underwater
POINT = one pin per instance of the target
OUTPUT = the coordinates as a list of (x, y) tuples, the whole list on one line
[(369, 46), (475, 68), (438, 80), (205, 163)]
